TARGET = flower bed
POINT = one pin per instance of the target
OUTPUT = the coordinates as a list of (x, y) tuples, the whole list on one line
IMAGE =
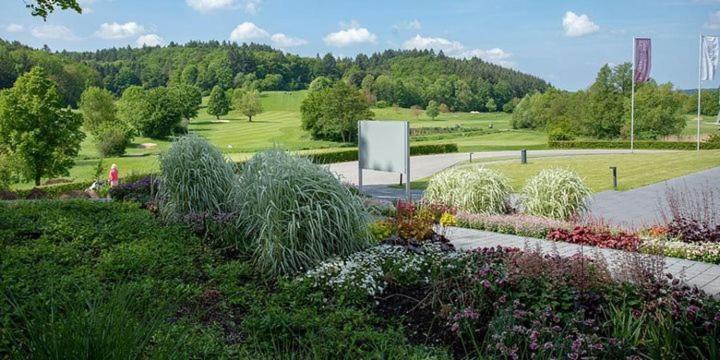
[(604, 238), (507, 303), (521, 225), (656, 240)]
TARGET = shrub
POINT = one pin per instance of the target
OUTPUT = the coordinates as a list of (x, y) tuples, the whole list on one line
[(297, 214), (516, 224), (471, 189), (330, 157), (141, 190), (643, 144), (195, 178), (555, 193), (112, 142), (604, 238)]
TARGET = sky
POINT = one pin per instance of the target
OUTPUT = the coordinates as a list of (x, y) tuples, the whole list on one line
[(563, 42)]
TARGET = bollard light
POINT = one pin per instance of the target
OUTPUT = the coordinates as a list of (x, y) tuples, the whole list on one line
[(614, 175), (471, 157), (523, 156)]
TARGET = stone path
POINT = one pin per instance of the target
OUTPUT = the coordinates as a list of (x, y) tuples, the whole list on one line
[(703, 275)]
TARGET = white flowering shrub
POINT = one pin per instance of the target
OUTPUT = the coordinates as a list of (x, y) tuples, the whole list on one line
[(367, 273), (700, 251), (476, 190)]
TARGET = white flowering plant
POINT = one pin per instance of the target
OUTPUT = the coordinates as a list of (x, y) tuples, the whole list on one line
[(366, 274)]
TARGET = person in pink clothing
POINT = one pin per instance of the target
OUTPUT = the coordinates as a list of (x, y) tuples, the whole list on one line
[(113, 177)]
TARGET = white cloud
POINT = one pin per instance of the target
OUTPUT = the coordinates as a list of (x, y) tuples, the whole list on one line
[(283, 41), (408, 25), (119, 31), (436, 43), (248, 31), (578, 25), (14, 28), (458, 50), (249, 6), (714, 21), (352, 34), (150, 40), (53, 32)]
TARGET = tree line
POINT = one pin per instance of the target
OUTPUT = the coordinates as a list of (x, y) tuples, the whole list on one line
[(403, 77), (602, 110)]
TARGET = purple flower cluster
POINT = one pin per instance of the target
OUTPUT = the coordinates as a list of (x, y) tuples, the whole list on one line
[(516, 224)]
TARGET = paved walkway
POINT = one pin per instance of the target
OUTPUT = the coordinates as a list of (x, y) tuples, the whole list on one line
[(641, 206), (423, 166), (703, 275)]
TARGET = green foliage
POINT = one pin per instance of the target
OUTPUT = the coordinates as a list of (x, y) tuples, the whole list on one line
[(36, 130), (90, 328), (329, 157), (189, 98), (642, 144), (112, 142), (658, 112), (107, 268), (555, 193), (247, 102), (490, 105), (603, 111), (510, 106), (432, 109), (333, 113), (320, 83), (154, 113), (472, 189), (297, 214), (43, 8), (98, 109), (195, 178), (218, 104)]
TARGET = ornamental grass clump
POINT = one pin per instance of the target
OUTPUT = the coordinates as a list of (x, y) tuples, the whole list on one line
[(556, 194), (471, 189), (195, 178), (297, 214)]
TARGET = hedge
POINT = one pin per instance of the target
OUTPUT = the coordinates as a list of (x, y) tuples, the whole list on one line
[(643, 144), (352, 154)]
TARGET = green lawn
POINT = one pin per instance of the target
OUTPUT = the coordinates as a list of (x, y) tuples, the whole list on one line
[(634, 170), (280, 126)]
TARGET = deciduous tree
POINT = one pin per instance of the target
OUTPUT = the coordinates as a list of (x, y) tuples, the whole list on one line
[(36, 130)]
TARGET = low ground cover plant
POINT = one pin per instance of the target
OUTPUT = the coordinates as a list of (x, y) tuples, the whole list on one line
[(472, 189), (507, 303), (586, 235)]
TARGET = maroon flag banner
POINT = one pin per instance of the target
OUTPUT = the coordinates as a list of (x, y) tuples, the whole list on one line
[(643, 59)]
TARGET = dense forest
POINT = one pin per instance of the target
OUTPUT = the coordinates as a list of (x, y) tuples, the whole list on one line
[(406, 78)]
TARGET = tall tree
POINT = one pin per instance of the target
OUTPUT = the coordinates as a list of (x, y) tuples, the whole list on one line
[(189, 98), (248, 103), (332, 113), (35, 128), (98, 109), (432, 109), (218, 103)]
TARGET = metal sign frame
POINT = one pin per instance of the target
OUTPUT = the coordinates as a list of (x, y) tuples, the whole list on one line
[(382, 151)]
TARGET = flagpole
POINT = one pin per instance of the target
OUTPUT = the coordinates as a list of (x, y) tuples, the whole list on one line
[(632, 102), (699, 90)]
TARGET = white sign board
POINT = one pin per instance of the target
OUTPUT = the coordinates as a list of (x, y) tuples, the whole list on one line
[(384, 146)]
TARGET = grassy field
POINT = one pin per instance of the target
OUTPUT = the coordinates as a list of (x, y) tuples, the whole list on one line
[(280, 126), (634, 170)]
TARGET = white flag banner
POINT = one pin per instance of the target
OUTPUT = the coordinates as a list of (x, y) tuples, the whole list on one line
[(710, 56)]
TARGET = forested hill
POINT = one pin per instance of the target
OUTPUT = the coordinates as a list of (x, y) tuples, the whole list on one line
[(406, 78)]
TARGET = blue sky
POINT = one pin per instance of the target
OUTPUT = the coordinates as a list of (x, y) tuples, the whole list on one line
[(564, 42)]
